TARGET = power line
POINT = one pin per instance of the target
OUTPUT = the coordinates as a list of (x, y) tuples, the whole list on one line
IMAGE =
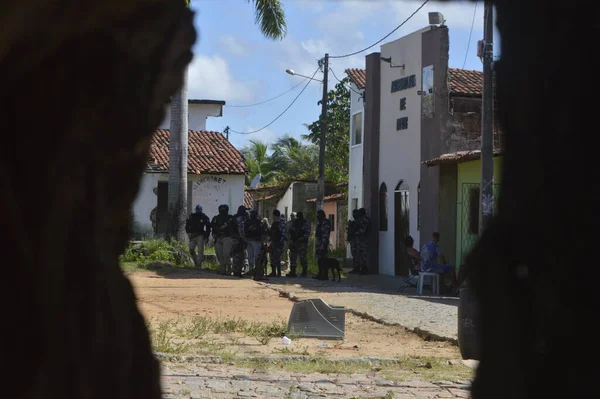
[(383, 38), (284, 111), (266, 101), (349, 87), (470, 33)]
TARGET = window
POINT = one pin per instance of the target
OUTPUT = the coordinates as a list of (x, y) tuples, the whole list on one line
[(332, 221), (383, 213), (474, 210), (357, 128), (354, 204)]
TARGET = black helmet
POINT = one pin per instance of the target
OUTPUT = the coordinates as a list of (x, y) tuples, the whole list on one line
[(223, 209)]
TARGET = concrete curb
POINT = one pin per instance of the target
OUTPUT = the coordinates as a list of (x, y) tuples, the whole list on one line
[(424, 334), (365, 361)]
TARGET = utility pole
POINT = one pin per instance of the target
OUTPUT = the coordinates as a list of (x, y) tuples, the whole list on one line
[(321, 180), (486, 199)]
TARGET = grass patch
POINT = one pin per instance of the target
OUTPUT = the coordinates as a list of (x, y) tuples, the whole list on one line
[(262, 332), (408, 368), (441, 369), (174, 335)]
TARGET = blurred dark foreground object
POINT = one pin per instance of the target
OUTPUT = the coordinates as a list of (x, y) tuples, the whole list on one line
[(83, 86)]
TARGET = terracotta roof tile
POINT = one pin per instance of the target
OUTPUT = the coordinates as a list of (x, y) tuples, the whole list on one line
[(248, 199), (329, 198), (358, 77), (208, 153), (464, 82), (458, 157)]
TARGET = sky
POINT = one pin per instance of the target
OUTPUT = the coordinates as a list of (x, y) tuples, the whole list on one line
[(235, 63)]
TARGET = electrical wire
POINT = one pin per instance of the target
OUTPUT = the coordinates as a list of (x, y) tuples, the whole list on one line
[(470, 33), (284, 111), (347, 86), (265, 101), (383, 38)]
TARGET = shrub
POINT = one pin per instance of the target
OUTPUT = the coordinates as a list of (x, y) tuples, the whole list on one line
[(158, 250)]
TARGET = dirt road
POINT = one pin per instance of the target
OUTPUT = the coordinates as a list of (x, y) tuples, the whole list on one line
[(185, 295)]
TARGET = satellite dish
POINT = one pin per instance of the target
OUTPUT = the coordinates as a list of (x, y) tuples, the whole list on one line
[(255, 181)]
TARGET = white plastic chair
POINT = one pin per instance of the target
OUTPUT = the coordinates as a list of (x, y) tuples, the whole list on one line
[(435, 282)]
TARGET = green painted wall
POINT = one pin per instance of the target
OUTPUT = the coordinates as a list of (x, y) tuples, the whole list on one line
[(470, 173)]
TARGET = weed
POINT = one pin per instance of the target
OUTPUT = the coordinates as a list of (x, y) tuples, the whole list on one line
[(199, 327), (162, 338), (185, 392), (303, 351)]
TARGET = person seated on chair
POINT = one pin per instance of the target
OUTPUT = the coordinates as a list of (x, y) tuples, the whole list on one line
[(434, 261), (413, 254)]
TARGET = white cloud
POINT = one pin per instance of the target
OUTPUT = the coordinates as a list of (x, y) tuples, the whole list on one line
[(309, 5), (230, 44), (209, 77)]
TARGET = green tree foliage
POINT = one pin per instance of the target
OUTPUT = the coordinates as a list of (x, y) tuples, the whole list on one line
[(337, 136)]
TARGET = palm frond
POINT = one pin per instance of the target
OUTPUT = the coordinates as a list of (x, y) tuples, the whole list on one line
[(270, 16)]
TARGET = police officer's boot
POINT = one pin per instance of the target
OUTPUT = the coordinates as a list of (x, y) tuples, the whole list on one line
[(292, 272), (273, 271)]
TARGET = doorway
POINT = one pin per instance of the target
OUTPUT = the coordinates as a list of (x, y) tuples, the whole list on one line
[(401, 227)]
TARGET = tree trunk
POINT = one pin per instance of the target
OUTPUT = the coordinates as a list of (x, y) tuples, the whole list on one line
[(178, 163), (83, 90)]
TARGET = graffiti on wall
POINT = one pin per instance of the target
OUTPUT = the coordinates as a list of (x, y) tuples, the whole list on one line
[(210, 192)]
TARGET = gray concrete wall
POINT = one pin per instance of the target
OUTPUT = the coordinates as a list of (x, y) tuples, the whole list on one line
[(371, 154), (434, 127)]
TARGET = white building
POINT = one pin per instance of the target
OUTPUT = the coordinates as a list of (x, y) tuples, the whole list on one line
[(415, 109), (385, 163), (216, 171), (355, 170), (198, 111)]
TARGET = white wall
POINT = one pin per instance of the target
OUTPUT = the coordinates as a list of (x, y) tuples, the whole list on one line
[(355, 169), (210, 191), (197, 114), (286, 200), (400, 150), (355, 178)]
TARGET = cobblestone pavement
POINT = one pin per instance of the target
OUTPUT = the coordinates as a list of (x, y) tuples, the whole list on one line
[(378, 298), (223, 381)]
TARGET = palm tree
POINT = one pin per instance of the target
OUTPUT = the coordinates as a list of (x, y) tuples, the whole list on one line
[(296, 159), (269, 15), (259, 162)]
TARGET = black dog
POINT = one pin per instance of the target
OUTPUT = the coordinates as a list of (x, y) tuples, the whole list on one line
[(261, 264), (333, 265)]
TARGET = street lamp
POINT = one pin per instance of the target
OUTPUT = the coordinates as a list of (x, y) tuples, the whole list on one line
[(294, 73), (321, 180)]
